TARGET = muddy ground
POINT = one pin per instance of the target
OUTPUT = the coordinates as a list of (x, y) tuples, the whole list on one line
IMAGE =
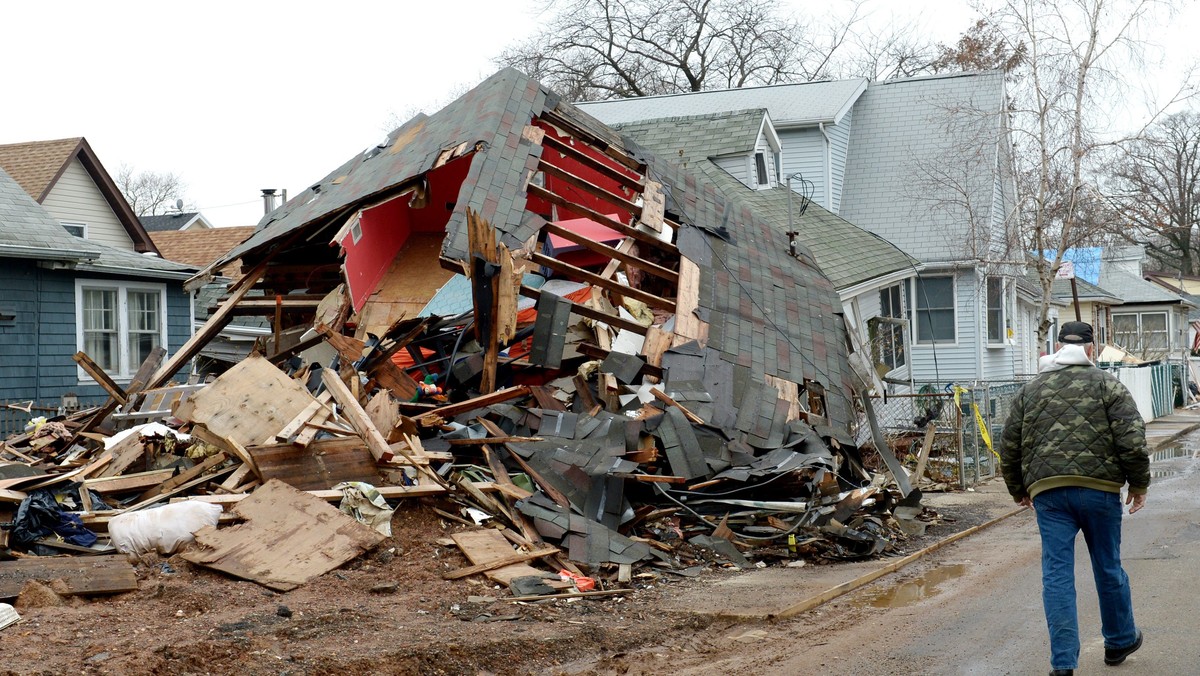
[(387, 613)]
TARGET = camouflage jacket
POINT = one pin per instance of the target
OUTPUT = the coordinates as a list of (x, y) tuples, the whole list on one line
[(1078, 426)]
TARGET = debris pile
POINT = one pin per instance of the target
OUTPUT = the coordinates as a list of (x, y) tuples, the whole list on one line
[(599, 372)]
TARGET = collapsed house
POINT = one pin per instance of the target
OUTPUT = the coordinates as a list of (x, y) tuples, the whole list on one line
[(509, 304)]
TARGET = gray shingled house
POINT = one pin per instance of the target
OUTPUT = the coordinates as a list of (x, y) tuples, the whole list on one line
[(1152, 323), (758, 320), (924, 163), (61, 293), (739, 152)]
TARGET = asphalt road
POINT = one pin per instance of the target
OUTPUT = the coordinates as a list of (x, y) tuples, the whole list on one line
[(975, 607)]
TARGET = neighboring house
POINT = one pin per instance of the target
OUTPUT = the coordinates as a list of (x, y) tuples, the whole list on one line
[(60, 294), (67, 179), (198, 247), (1187, 286), (532, 166), (182, 220), (924, 163), (739, 153), (1095, 305), (1152, 323)]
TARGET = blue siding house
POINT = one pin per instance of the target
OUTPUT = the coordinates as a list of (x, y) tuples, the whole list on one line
[(61, 293)]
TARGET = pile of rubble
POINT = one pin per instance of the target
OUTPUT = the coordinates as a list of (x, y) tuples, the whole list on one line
[(582, 385)]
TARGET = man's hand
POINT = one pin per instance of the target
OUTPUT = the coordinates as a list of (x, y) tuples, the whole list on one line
[(1135, 502), (1025, 502)]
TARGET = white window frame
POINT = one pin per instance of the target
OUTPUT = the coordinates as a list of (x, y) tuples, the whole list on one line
[(1141, 349), (890, 320), (761, 179), (914, 309), (67, 225), (125, 369), (1005, 310)]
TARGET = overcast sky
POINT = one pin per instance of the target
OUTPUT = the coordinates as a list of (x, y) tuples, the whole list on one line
[(239, 96)]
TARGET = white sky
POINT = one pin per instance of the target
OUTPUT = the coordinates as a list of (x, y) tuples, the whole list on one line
[(238, 96)]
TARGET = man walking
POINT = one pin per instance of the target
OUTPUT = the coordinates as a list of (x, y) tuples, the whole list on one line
[(1073, 439)]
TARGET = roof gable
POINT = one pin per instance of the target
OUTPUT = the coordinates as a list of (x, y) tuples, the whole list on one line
[(41, 163), (183, 220)]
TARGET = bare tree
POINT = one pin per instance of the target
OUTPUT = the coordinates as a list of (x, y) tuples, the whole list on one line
[(1077, 52), (1154, 185), (150, 193)]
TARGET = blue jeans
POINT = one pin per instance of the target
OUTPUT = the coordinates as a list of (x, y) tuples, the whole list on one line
[(1061, 513)]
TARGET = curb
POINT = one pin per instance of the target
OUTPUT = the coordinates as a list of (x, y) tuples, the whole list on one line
[(863, 580)]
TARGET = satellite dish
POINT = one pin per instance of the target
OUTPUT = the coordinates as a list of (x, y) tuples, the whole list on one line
[(179, 204)]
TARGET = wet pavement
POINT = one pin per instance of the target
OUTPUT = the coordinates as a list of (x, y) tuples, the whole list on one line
[(783, 592)]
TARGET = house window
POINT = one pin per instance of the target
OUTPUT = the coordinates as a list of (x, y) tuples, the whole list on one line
[(997, 311), (77, 229), (119, 323), (1144, 333), (760, 165), (1052, 336), (934, 309), (887, 330)]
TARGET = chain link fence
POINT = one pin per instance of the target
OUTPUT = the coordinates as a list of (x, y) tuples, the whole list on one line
[(947, 419)]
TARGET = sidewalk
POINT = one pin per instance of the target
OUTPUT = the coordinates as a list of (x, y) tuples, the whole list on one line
[(774, 593)]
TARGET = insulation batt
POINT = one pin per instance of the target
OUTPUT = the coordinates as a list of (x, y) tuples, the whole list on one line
[(163, 528)]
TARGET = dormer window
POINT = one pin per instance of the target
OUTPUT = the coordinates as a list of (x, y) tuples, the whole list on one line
[(760, 165), (77, 229)]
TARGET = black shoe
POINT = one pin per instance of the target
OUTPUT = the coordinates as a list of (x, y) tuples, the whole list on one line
[(1115, 656), (1063, 672)]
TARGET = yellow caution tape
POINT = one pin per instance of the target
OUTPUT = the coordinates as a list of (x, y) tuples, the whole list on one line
[(983, 430)]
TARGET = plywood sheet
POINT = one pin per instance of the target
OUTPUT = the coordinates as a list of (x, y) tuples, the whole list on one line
[(83, 574), (485, 546), (410, 281), (321, 465), (248, 404), (289, 537)]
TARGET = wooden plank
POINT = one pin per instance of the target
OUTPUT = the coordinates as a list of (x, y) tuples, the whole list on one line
[(566, 124), (177, 490), (687, 325), (483, 400), (228, 445), (137, 384), (289, 538), (664, 398), (614, 253), (306, 434), (609, 222), (488, 546), (329, 495), (247, 404), (550, 490), (923, 457), (384, 415), (355, 414), (93, 369), (215, 323), (322, 465), (82, 575), (185, 476), (619, 201), (519, 557), (485, 294), (128, 482), (266, 307), (612, 286), (238, 476), (490, 440), (125, 453), (654, 205), (293, 428)]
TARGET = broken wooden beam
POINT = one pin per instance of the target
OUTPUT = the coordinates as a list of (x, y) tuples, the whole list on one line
[(519, 557), (579, 274), (646, 237)]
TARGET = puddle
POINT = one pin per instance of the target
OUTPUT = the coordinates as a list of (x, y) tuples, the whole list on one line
[(913, 591), (1174, 451)]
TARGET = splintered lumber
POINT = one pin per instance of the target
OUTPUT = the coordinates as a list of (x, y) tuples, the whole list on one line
[(384, 414), (228, 445), (248, 403), (520, 557), (93, 369), (289, 537), (579, 274), (216, 321), (183, 477), (293, 428), (358, 418), (125, 453), (308, 430), (664, 398), (487, 546), (687, 325), (923, 457), (83, 575), (324, 463), (178, 489), (447, 412), (140, 379)]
